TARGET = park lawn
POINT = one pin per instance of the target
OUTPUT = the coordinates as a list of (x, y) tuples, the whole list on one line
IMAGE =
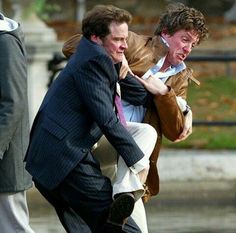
[(214, 100)]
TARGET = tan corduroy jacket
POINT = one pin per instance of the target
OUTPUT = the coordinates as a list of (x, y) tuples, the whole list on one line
[(164, 114)]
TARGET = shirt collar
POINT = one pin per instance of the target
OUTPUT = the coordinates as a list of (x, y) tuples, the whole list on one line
[(164, 41)]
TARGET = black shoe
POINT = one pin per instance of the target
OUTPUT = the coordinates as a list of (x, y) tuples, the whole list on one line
[(121, 209), (111, 228)]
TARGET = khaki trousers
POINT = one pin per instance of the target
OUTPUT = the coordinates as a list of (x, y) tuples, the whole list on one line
[(123, 179)]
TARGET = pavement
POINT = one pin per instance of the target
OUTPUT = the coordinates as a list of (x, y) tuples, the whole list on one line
[(197, 165), (197, 176), (189, 176)]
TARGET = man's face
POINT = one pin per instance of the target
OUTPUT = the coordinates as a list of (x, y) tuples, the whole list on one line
[(180, 45), (115, 43)]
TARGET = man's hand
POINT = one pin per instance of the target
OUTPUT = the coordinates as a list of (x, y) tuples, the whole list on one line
[(124, 70), (143, 175), (188, 125), (154, 85)]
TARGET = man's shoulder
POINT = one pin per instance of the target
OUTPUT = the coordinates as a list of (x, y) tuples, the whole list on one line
[(88, 50), (185, 75), (137, 38)]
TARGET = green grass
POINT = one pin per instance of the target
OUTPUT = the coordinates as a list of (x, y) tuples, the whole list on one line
[(214, 100)]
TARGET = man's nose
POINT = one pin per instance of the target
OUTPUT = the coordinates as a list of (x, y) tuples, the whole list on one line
[(124, 44), (188, 48)]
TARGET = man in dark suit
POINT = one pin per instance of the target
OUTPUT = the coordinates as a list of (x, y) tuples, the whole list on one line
[(77, 110)]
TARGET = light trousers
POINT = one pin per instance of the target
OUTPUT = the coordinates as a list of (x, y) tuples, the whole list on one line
[(123, 179), (14, 213)]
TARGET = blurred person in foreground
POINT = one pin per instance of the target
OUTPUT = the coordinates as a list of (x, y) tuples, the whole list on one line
[(76, 111), (158, 64), (14, 129)]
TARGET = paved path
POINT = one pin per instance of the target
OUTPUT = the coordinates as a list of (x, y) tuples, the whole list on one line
[(197, 165)]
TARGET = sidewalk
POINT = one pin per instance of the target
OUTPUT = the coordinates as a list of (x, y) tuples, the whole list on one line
[(196, 177), (197, 165), (197, 194), (189, 176)]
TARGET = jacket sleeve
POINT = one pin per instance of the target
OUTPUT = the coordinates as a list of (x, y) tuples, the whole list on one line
[(134, 92), (170, 115), (13, 86), (95, 93)]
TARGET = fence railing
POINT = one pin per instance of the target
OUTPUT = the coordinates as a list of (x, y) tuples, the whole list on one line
[(214, 123), (212, 58), (227, 58)]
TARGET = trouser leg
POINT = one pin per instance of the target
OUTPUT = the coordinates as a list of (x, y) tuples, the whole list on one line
[(85, 195), (83, 199), (123, 179), (70, 220), (126, 181), (106, 154), (139, 216), (146, 139), (14, 213)]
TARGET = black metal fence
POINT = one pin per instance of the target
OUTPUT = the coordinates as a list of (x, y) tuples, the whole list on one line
[(226, 57), (214, 123)]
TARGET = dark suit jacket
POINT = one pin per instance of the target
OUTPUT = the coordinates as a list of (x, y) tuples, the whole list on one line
[(76, 111)]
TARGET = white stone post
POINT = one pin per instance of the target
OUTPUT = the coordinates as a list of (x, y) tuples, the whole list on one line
[(80, 10), (41, 43), (230, 15)]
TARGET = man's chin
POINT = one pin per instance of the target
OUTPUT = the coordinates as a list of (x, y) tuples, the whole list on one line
[(117, 60)]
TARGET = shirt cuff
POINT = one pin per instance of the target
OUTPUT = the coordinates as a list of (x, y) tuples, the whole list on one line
[(140, 165)]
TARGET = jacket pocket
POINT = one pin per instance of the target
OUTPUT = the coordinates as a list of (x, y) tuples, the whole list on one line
[(53, 128)]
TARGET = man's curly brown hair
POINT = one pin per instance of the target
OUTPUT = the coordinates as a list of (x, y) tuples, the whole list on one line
[(178, 16)]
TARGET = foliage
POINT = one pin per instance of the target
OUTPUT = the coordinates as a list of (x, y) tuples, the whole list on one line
[(44, 9), (215, 100), (41, 8)]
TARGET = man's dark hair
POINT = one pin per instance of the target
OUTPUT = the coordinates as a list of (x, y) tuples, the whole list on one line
[(178, 16), (98, 20)]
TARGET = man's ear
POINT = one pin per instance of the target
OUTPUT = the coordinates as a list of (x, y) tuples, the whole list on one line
[(96, 39), (165, 34)]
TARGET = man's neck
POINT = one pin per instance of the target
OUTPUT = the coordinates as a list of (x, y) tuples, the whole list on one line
[(165, 66)]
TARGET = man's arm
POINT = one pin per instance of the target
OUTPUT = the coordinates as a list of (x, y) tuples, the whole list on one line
[(174, 124), (171, 117), (134, 92), (96, 94), (188, 125)]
